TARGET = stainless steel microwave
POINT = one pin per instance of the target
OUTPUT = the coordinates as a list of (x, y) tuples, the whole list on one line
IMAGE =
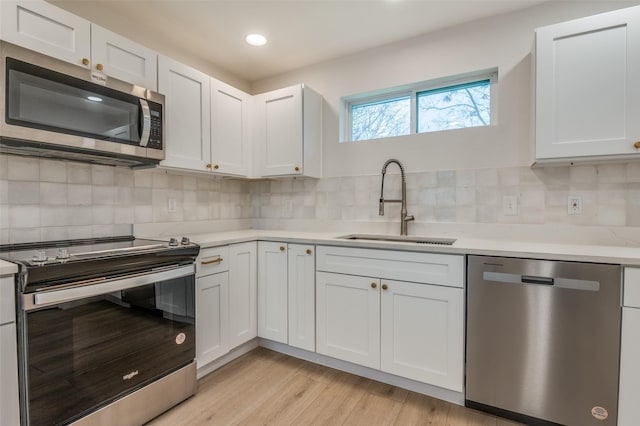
[(54, 109)]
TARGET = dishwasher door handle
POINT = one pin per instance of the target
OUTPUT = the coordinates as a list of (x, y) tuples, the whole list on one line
[(566, 283), (529, 279)]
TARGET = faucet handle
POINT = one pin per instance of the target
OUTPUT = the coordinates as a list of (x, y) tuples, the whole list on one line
[(408, 218)]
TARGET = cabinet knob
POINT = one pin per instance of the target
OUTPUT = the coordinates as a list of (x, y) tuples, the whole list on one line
[(308, 251), (281, 248), (99, 67), (384, 286), (216, 167), (85, 61), (208, 166), (636, 145), (374, 285), (296, 168)]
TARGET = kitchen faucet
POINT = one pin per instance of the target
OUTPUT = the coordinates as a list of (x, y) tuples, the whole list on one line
[(403, 212)]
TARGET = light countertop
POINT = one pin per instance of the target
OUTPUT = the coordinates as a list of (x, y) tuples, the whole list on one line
[(7, 268), (535, 250)]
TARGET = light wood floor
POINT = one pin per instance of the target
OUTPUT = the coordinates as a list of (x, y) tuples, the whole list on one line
[(265, 387)]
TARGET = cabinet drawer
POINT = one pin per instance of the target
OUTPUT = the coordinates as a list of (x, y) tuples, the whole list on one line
[(7, 304), (212, 261), (428, 268), (632, 287)]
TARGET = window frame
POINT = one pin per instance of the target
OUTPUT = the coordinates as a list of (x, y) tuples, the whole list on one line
[(412, 90)]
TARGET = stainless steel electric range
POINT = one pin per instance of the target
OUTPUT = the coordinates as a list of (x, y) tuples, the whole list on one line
[(106, 329)]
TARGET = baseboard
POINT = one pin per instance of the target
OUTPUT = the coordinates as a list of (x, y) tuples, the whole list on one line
[(226, 359), (370, 373)]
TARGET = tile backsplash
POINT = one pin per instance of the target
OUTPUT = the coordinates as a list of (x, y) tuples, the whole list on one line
[(48, 199), (610, 196)]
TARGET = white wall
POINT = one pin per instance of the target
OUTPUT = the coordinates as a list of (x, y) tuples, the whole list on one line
[(504, 41)]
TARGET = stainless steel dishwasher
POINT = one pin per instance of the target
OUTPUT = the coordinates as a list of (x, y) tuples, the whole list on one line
[(543, 340)]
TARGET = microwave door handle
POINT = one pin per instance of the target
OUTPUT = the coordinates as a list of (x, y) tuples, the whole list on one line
[(146, 123)]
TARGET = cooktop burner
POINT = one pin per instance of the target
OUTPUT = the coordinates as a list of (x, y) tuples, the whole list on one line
[(55, 261)]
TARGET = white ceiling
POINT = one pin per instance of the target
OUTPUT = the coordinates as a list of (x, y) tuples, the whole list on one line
[(300, 32)]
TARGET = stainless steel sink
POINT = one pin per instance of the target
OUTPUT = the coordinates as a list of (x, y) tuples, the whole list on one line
[(399, 239)]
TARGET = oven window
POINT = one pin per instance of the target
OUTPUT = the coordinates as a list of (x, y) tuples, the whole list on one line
[(87, 353), (43, 99)]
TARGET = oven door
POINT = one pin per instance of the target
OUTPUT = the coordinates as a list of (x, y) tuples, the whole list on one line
[(88, 344)]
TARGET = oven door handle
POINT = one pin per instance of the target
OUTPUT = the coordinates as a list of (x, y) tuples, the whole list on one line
[(84, 289)]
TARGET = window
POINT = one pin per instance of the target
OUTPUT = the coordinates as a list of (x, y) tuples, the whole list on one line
[(443, 104)]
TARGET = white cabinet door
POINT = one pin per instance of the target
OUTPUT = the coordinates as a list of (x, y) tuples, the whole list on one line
[(422, 333), (45, 28), (587, 86), (302, 296), (272, 291), (278, 132), (230, 141), (243, 293), (9, 408), (629, 398), (187, 116), (212, 317), (348, 318), (123, 59)]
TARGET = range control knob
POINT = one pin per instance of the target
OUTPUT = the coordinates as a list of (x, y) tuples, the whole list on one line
[(40, 256), (63, 254), (173, 242), (185, 241)]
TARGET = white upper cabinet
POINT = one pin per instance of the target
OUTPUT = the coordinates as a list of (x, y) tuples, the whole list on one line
[(230, 139), (123, 59), (187, 115), (45, 28), (588, 88), (288, 132)]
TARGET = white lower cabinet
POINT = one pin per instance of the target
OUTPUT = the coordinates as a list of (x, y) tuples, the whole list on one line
[(226, 300), (243, 293), (348, 318), (286, 293), (212, 317), (272, 291), (409, 329), (9, 408), (301, 267), (629, 398), (629, 393), (422, 332)]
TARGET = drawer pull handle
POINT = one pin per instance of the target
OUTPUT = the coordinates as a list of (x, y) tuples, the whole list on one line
[(308, 251), (85, 61), (637, 144), (384, 286), (374, 285), (209, 262), (281, 248), (99, 67)]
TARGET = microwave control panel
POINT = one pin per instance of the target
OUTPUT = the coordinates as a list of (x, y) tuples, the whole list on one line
[(155, 133)]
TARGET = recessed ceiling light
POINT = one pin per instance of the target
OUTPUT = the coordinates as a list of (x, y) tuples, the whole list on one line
[(94, 98), (256, 39)]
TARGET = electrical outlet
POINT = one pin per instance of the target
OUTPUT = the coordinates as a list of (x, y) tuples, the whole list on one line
[(171, 205), (510, 205), (574, 204)]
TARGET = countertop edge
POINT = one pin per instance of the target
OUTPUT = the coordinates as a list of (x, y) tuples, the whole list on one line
[(8, 268), (626, 256)]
